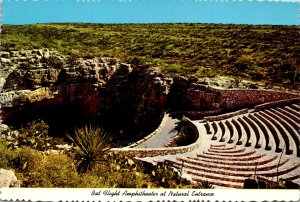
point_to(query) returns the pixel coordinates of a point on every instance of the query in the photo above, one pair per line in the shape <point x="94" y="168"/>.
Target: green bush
<point x="34" y="135"/>
<point x="55" y="170"/>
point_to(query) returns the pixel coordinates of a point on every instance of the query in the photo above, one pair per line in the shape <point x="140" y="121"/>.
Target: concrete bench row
<point x="229" y="166"/>
<point x="271" y="129"/>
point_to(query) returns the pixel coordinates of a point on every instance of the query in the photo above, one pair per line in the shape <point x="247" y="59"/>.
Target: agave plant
<point x="91" y="145"/>
<point x="205" y="185"/>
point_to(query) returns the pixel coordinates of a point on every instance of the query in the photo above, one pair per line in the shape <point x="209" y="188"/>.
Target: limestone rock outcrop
<point x="8" y="178"/>
<point x="33" y="81"/>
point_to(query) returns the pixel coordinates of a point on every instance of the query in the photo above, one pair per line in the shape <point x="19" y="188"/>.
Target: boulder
<point x="8" y="178"/>
<point x="3" y="128"/>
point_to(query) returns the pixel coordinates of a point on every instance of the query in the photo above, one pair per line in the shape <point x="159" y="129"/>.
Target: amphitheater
<point x="231" y="147"/>
<point x="239" y="132"/>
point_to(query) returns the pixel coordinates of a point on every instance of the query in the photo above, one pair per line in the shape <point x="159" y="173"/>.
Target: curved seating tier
<point x="229" y="166"/>
<point x="236" y="147"/>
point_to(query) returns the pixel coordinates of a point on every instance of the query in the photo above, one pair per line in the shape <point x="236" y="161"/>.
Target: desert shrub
<point x="54" y="170"/>
<point x="164" y="176"/>
<point x="204" y="185"/>
<point x="55" y="62"/>
<point x="34" y="135"/>
<point x="91" y="145"/>
<point x="21" y="160"/>
<point x="34" y="169"/>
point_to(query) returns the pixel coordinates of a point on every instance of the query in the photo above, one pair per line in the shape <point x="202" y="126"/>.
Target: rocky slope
<point x="66" y="92"/>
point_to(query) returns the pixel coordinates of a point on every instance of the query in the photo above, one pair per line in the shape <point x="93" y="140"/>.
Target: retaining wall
<point x="152" y="134"/>
<point x="242" y="98"/>
<point x="150" y="152"/>
<point x="277" y="104"/>
<point x="225" y="116"/>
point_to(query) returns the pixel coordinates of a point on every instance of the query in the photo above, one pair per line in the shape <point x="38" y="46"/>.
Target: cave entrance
<point x="61" y="118"/>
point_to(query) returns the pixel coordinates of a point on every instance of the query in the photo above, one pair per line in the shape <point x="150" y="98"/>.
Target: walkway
<point x="163" y="137"/>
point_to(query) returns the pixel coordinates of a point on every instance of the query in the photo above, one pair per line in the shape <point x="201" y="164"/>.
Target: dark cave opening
<point x="61" y="118"/>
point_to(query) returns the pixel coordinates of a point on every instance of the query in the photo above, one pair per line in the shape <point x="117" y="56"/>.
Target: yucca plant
<point x="205" y="185"/>
<point x="91" y="146"/>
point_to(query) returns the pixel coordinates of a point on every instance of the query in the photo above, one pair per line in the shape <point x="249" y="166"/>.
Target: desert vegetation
<point x="260" y="53"/>
<point x="38" y="161"/>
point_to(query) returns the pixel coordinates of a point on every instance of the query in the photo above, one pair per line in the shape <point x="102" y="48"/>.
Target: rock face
<point x="8" y="179"/>
<point x="190" y="94"/>
<point x="40" y="83"/>
<point x="67" y="92"/>
<point x="135" y="98"/>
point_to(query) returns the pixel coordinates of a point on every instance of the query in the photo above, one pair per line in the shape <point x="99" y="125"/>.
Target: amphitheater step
<point x="295" y="107"/>
<point x="259" y="167"/>
<point x="239" y="150"/>
<point x="267" y="171"/>
<point x="259" y="161"/>
<point x="251" y="157"/>
<point x="218" y="182"/>
<point x="284" y="134"/>
<point x="230" y="154"/>
<point x="222" y="147"/>
<point x="269" y="142"/>
<point x="293" y="112"/>
<point x="274" y="132"/>
<point x="294" y="135"/>
<point x="255" y="131"/>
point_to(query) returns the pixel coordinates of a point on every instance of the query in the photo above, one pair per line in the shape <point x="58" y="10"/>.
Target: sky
<point x="151" y="11"/>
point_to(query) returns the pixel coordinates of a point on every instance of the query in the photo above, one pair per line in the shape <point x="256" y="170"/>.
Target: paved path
<point x="163" y="137"/>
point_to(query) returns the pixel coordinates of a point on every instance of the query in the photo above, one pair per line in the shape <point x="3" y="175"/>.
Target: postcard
<point x="148" y="100"/>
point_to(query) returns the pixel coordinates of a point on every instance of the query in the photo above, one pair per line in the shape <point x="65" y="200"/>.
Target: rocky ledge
<point x="34" y="81"/>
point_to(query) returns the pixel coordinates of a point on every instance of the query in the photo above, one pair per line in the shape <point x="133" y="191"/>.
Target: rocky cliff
<point x="65" y="92"/>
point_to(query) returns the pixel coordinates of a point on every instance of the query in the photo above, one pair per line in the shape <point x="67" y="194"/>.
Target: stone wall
<point x="225" y="116"/>
<point x="242" y="98"/>
<point x="149" y="152"/>
<point x="279" y="103"/>
<point x="151" y="135"/>
<point x="190" y="94"/>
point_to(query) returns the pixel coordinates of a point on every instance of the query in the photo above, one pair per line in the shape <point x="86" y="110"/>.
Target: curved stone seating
<point x="241" y="161"/>
<point x="255" y="131"/>
<point x="247" y="130"/>
<point x="222" y="138"/>
<point x="239" y="131"/>
<point x="231" y="131"/>
<point x="267" y="134"/>
<point x="296" y="107"/>
<point x="282" y="131"/>
<point x="227" y="169"/>
<point x="232" y="153"/>
<point x="219" y="182"/>
<point x="293" y="112"/>
<point x="293" y="123"/>
<point x="233" y="150"/>
<point x="289" y="128"/>
<point x="215" y="127"/>
<point x="222" y="147"/>
<point x="291" y="118"/>
<point x="229" y="155"/>
<point x="207" y="128"/>
<point x="275" y="133"/>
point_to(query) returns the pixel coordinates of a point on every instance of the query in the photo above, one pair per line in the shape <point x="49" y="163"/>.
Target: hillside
<point x="259" y="53"/>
